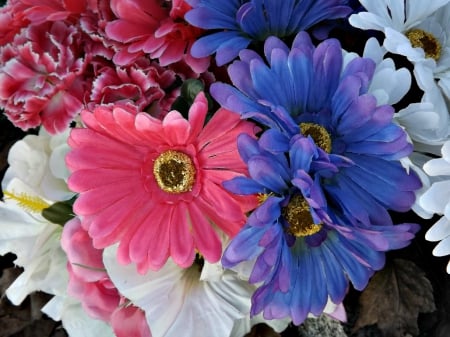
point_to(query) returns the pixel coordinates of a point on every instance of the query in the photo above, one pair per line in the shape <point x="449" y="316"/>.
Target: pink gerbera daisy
<point x="156" y="186"/>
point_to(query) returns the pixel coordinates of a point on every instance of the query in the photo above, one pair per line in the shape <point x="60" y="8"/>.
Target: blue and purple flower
<point x="236" y="23"/>
<point x="327" y="169"/>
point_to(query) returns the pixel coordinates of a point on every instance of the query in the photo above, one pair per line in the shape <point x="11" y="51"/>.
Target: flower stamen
<point x="298" y="216"/>
<point x="174" y="172"/>
<point x="29" y="203"/>
<point x="426" y="41"/>
<point x="318" y="133"/>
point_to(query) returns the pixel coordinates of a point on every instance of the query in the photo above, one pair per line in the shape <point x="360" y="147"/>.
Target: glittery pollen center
<point x="298" y="216"/>
<point x="426" y="41"/>
<point x="174" y="172"/>
<point x="318" y="133"/>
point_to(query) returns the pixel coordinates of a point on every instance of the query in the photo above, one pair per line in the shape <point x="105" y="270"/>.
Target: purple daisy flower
<point x="236" y="23"/>
<point x="305" y="250"/>
<point x="308" y="90"/>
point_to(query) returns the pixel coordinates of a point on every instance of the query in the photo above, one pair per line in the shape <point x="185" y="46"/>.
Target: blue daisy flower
<point x="236" y="23"/>
<point x="308" y="90"/>
<point x="305" y="250"/>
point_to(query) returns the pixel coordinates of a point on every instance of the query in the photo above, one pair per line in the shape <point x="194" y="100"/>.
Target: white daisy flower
<point x="437" y="200"/>
<point x="420" y="31"/>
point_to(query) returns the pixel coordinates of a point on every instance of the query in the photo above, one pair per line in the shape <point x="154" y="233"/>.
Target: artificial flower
<point x="420" y="32"/>
<point x="146" y="27"/>
<point x="201" y="300"/>
<point x="298" y="231"/>
<point x="319" y="97"/>
<point x="41" y="77"/>
<point x="155" y="186"/>
<point x="437" y="200"/>
<point x="237" y="23"/>
<point x="343" y="176"/>
<point x="144" y="86"/>
<point x="38" y="161"/>
<point x="89" y="282"/>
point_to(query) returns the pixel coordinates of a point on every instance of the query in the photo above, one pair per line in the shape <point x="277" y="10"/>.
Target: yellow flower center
<point x="298" y="215"/>
<point x="426" y="41"/>
<point x="174" y="172"/>
<point x="318" y="133"/>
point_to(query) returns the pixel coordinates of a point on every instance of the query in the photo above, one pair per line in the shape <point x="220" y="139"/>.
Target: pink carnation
<point x="143" y="85"/>
<point x="146" y="27"/>
<point x="89" y="283"/>
<point x="41" y="77"/>
<point x="156" y="186"/>
<point x="40" y="11"/>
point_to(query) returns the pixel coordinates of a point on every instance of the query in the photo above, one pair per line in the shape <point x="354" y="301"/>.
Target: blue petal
<point x="242" y="185"/>
<point x="336" y="282"/>
<point x="268" y="173"/>
<point x="243" y="247"/>
<point x="357" y="273"/>
<point x="274" y="140"/>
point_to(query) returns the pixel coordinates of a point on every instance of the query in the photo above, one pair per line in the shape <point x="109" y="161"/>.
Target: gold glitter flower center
<point x="298" y="215"/>
<point x="318" y="133"/>
<point x="174" y="172"/>
<point x="426" y="41"/>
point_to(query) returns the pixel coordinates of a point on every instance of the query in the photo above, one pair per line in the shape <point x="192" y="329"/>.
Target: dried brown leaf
<point x="25" y="320"/>
<point x="262" y="330"/>
<point x="394" y="298"/>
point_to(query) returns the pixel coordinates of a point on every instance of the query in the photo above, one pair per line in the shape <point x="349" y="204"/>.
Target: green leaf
<point x="189" y="90"/>
<point x="60" y="212"/>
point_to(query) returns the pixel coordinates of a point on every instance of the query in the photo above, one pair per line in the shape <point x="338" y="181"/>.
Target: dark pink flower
<point x="89" y="283"/>
<point x="146" y="27"/>
<point x="40" y="11"/>
<point x="41" y="77"/>
<point x="143" y="86"/>
<point x="12" y="20"/>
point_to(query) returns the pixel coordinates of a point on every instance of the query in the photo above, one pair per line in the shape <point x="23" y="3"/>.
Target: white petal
<point x="439" y="231"/>
<point x="437" y="167"/>
<point x="78" y="324"/>
<point x="444" y="83"/>
<point x="448" y="268"/>
<point x="174" y="299"/>
<point x="436" y="198"/>
<point x="397" y="43"/>
<point x="442" y="248"/>
<point x="418" y="10"/>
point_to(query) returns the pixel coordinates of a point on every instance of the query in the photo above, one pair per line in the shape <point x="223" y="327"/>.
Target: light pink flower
<point x="146" y="27"/>
<point x="156" y="186"/>
<point x="41" y="78"/>
<point x="89" y="282"/>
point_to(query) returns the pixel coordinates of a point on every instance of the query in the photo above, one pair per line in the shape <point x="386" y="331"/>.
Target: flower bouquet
<point x="198" y="167"/>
